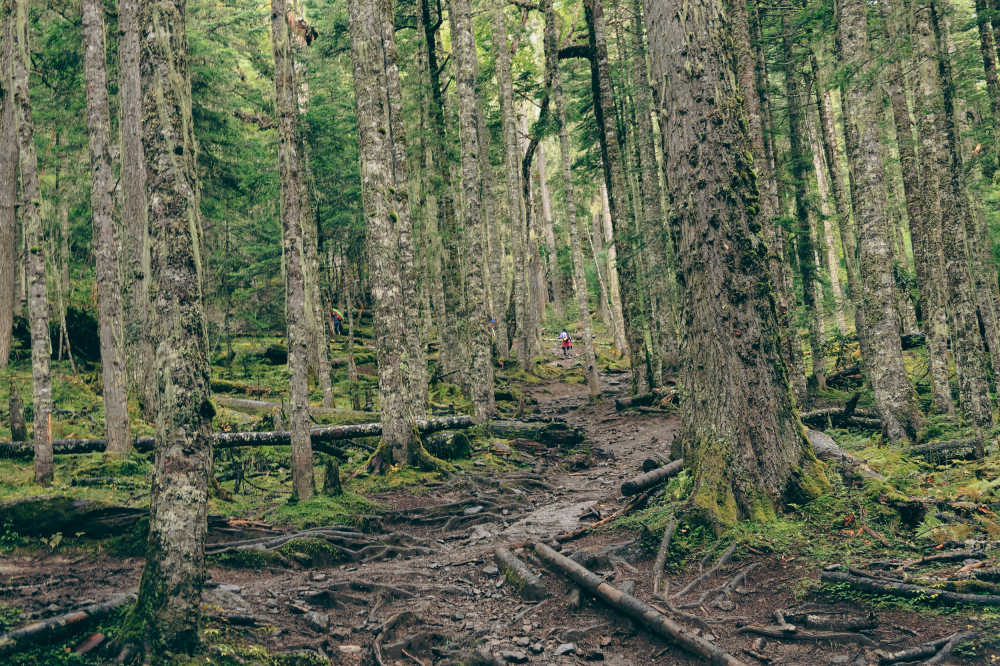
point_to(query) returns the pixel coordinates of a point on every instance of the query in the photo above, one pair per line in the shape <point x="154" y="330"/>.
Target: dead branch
<point x="783" y="633"/>
<point x="715" y="567"/>
<point x="628" y="508"/>
<point x="661" y="554"/>
<point x="60" y="625"/>
<point x="652" y="479"/>
<point x="867" y="583"/>
<point x="824" y="447"/>
<point x="527" y="582"/>
<point x="639" y="611"/>
<point x="926" y="650"/>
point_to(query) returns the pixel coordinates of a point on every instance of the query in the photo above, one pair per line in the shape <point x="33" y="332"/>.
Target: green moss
<point x="809" y="481"/>
<point x="247" y="559"/>
<point x="349" y="509"/>
<point x="713" y="495"/>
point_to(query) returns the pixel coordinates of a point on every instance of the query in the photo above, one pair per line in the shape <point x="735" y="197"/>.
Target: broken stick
<point x="528" y="583"/>
<point x="651" y="479"/>
<point x="60" y="625"/>
<point x="638" y="610"/>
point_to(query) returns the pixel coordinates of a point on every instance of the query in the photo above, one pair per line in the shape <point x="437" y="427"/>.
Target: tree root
<point x="935" y="651"/>
<point x="869" y="583"/>
<point x="792" y="633"/>
<point x="628" y="508"/>
<point x="718" y="565"/>
<point x="661" y="554"/>
<point x="60" y="625"/>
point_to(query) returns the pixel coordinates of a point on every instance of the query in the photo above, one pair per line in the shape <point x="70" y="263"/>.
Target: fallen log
<point x="827" y="449"/>
<point x="60" y="625"/>
<point x="651" y="479"/>
<point x="42" y="516"/>
<point x="911" y="340"/>
<point x="641" y="400"/>
<point x="792" y="633"/>
<point x="848" y="375"/>
<point x="902" y="589"/>
<point x="527" y="582"/>
<point x="838" y="416"/>
<point x="925" y="650"/>
<point x="227" y="440"/>
<point x="579" y="532"/>
<point x="965" y="449"/>
<point x="552" y="433"/>
<point x="639" y="611"/>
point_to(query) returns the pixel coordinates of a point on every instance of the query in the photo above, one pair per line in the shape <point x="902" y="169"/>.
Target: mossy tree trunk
<point x="944" y="191"/>
<point x="740" y="436"/>
<point x="134" y="230"/>
<point x="298" y="317"/>
<point x="106" y="248"/>
<point x="169" y="605"/>
<point x="475" y="319"/>
<point x="565" y="152"/>
<point x="400" y="443"/>
<point x="38" y="304"/>
<point x="8" y="190"/>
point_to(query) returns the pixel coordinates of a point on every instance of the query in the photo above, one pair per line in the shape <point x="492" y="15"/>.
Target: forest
<point x="379" y="332"/>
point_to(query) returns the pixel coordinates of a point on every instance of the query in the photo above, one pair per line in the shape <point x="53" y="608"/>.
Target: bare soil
<point x="454" y="600"/>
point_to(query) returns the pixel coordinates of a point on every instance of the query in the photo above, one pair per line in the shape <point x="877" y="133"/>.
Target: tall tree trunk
<point x="522" y="342"/>
<point x="297" y="315"/>
<point x="417" y="377"/>
<point x="169" y="605"/>
<point x="614" y="179"/>
<point x="988" y="50"/>
<point x="753" y="87"/>
<point x="830" y="258"/>
<point x="8" y="190"/>
<point x="742" y="455"/>
<point x="476" y="320"/>
<point x="799" y="166"/>
<point x="548" y="231"/>
<point x="494" y="242"/>
<point x="595" y="232"/>
<point x="565" y="150"/>
<point x="612" y="273"/>
<point x="105" y="244"/>
<point x="944" y="192"/>
<point x="38" y="304"/>
<point x="399" y="444"/>
<point x="452" y="349"/>
<point x="135" y="235"/>
<point x="879" y="328"/>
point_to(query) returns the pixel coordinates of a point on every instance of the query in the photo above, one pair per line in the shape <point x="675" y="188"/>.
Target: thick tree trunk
<point x="611" y="271"/>
<point x="494" y="242"/>
<point x="169" y="606"/>
<point x="400" y="443"/>
<point x="134" y="230"/>
<point x="988" y="49"/>
<point x="38" y="304"/>
<point x="476" y="320"/>
<point x="565" y="151"/>
<point x="943" y="190"/>
<point x="742" y="453"/>
<point x="106" y="249"/>
<point x="8" y="190"/>
<point x="297" y="314"/>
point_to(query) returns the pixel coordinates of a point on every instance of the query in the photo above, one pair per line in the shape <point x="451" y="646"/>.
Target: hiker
<point x="338" y="322"/>
<point x="567" y="343"/>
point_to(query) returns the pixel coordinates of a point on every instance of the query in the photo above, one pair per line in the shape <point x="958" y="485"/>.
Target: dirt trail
<point x="436" y="606"/>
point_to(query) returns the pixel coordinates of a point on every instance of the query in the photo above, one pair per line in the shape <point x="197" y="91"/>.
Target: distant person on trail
<point x="567" y="343"/>
<point x="338" y="322"/>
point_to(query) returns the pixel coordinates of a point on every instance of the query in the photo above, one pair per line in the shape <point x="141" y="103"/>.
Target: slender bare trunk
<point x="8" y="191"/>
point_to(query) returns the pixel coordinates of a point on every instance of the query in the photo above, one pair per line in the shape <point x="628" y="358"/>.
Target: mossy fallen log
<point x="826" y="449"/>
<point x="930" y="595"/>
<point x="45" y="515"/>
<point x="955" y="449"/>
<point x="527" y="582"/>
<point x="448" y="445"/>
<point x="552" y="433"/>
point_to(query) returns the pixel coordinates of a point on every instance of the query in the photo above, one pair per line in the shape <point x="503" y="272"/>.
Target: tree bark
<point x="611" y="271"/>
<point x="106" y="249"/>
<point x="134" y="230"/>
<point x="941" y="179"/>
<point x="548" y="231"/>
<point x="297" y="314"/>
<point x="169" y="606"/>
<point x="879" y="328"/>
<point x="8" y="190"/>
<point x="743" y="454"/>
<point x="476" y="319"/>
<point x="400" y="443"/>
<point x="38" y="305"/>
<point x="565" y="150"/>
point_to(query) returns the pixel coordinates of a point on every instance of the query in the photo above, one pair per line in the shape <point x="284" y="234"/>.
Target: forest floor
<point x="440" y="597"/>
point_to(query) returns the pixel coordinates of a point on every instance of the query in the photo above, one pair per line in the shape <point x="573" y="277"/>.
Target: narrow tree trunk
<point x="943" y="191"/>
<point x="476" y="320"/>
<point x="742" y="458"/>
<point x="400" y="444"/>
<point x="803" y="233"/>
<point x="8" y="190"/>
<point x="105" y="244"/>
<point x="494" y="242"/>
<point x="135" y="235"/>
<point x="879" y="328"/>
<point x="169" y="605"/>
<point x="297" y="314"/>
<point x="595" y="232"/>
<point x="38" y="305"/>
<point x="548" y="231"/>
<point x="565" y="150"/>
<point x="611" y="271"/>
<point x="988" y="50"/>
<point x="830" y="258"/>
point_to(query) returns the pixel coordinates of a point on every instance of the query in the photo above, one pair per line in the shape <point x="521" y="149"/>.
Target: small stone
<point x="340" y="633"/>
<point x="628" y="587"/>
<point x="593" y="655"/>
<point x="725" y="605"/>
<point x="573" y="598"/>
<point x="500" y="581"/>
<point x="565" y="648"/>
<point x="514" y="656"/>
<point x="318" y="577"/>
<point x="458" y="617"/>
<point x="490" y="570"/>
<point x="229" y="587"/>
<point x="605" y="641"/>
<point x="350" y="649"/>
<point x="473" y="510"/>
<point x="522" y="641"/>
<point x="317" y="621"/>
<point x="537" y="648"/>
<point x="840" y="659"/>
